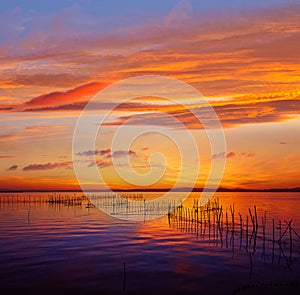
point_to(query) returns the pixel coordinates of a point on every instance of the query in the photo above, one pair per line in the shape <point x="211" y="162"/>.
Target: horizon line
<point x="221" y="189"/>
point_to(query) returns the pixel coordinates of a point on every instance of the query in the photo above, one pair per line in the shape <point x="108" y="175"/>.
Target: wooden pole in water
<point x="241" y="223"/>
<point x="201" y="221"/>
<point x="247" y="232"/>
<point x="279" y="225"/>
<point x="241" y="229"/>
<point x="232" y="216"/>
<point x="222" y="216"/>
<point x="273" y="248"/>
<point x="291" y="238"/>
<point x="251" y="267"/>
<point x="226" y="221"/>
<point x="253" y="224"/>
<point x="263" y="225"/>
<point x="273" y="224"/>
<point x="200" y="215"/>
<point x="255" y="213"/>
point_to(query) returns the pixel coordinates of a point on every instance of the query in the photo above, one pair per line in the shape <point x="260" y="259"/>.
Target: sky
<point x="242" y="56"/>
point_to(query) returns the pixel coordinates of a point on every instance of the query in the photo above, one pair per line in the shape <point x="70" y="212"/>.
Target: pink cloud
<point x="55" y="99"/>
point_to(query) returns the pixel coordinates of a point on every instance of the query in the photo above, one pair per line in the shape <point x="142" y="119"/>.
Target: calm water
<point x="53" y="247"/>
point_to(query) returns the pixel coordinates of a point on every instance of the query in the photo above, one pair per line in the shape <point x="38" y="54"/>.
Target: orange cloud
<point x="230" y="155"/>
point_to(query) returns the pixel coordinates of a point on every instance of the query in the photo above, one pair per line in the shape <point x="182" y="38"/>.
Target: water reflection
<point x="77" y="246"/>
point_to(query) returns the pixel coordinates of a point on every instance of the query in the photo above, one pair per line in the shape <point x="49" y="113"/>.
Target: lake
<point x="51" y="247"/>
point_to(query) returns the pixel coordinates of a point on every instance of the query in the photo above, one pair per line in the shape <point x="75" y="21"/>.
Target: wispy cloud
<point x="107" y="153"/>
<point x="232" y="154"/>
<point x="47" y="166"/>
<point x="105" y="156"/>
<point x="101" y="163"/>
<point x="223" y="155"/>
<point x="15" y="133"/>
<point x="122" y="153"/>
<point x="94" y="152"/>
<point x="230" y="114"/>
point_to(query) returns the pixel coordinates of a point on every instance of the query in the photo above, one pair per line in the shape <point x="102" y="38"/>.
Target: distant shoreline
<point x="297" y="189"/>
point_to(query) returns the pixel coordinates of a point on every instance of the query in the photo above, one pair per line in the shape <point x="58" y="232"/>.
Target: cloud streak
<point x="47" y="166"/>
<point x="232" y="154"/>
<point x="105" y="156"/>
<point x="223" y="155"/>
<point x="94" y="152"/>
<point x="5" y="157"/>
<point x="122" y="153"/>
<point x="230" y="114"/>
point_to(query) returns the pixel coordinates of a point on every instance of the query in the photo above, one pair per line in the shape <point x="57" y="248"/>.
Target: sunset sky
<point x="243" y="56"/>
